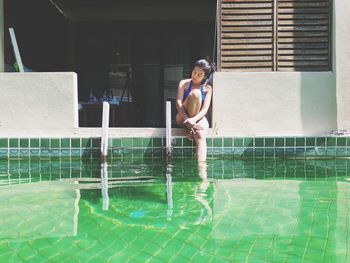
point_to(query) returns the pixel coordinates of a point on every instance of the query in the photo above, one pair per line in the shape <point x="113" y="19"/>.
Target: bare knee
<point x="195" y="94"/>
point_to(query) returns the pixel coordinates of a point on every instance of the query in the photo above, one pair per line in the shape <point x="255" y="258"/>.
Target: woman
<point x="192" y="103"/>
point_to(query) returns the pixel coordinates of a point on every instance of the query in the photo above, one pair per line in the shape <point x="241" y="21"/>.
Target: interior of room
<point x="134" y="50"/>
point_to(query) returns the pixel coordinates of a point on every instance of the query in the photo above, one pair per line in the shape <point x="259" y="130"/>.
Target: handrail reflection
<point x="104" y="186"/>
<point x="169" y="191"/>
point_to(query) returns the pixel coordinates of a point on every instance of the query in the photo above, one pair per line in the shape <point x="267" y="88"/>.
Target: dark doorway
<point x="133" y="50"/>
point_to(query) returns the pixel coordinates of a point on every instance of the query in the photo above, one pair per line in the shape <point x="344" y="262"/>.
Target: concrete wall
<point x="38" y="104"/>
<point x="341" y="58"/>
<point x="2" y="51"/>
<point x="274" y="103"/>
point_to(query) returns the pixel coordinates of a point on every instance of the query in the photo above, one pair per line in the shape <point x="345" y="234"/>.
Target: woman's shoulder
<point x="184" y="83"/>
<point x="208" y="88"/>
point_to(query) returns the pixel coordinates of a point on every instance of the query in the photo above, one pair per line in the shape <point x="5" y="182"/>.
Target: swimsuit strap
<point x="203" y="94"/>
<point x="187" y="92"/>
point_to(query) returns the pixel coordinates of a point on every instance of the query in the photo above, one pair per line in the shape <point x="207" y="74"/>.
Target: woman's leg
<point x="200" y="139"/>
<point x="192" y="105"/>
<point x="193" y="102"/>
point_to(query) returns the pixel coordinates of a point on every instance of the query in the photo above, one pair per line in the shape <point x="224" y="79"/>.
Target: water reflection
<point x="201" y="195"/>
<point x="169" y="191"/>
<point x="104" y="186"/>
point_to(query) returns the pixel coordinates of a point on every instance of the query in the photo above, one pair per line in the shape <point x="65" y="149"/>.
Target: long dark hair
<point x="207" y="67"/>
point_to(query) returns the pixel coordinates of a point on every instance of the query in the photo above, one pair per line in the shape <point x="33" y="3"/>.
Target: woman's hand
<point x="191" y="124"/>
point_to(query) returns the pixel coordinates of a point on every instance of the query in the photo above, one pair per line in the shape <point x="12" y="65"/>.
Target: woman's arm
<point x="206" y="104"/>
<point x="179" y="99"/>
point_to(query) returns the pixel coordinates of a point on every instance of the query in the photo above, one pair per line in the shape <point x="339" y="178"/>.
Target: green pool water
<point x="241" y="210"/>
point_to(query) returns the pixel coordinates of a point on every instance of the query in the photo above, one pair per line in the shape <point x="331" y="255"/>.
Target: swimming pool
<point x="234" y="210"/>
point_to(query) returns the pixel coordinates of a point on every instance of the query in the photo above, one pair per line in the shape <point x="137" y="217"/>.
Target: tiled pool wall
<point x="228" y="147"/>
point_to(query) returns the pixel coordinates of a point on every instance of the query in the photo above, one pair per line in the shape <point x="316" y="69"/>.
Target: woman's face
<point x="198" y="75"/>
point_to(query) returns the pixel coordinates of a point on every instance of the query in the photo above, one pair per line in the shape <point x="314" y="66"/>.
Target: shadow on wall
<point x="318" y="102"/>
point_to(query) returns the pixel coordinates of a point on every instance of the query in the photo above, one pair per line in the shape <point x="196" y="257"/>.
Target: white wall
<point x="274" y="103"/>
<point x="341" y="55"/>
<point x="38" y="104"/>
<point x="2" y="54"/>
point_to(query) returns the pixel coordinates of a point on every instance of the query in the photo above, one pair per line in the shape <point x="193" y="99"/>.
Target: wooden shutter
<point x="246" y="35"/>
<point x="304" y="42"/>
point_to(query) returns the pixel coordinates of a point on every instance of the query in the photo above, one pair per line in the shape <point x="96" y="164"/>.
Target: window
<point x="275" y="35"/>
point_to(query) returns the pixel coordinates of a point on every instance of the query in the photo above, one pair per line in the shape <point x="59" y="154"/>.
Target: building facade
<point x="283" y="66"/>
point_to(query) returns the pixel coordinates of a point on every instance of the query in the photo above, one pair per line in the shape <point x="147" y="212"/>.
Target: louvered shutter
<point x="246" y="35"/>
<point x="280" y="35"/>
<point x="303" y="35"/>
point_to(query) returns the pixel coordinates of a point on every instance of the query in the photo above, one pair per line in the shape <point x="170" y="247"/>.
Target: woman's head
<point x="202" y="70"/>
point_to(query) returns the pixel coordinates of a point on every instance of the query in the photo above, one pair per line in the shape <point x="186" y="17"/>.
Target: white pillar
<point x="341" y="61"/>
<point x="2" y="40"/>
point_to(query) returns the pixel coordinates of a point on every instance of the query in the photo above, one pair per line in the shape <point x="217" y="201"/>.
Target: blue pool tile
<point x="75" y="152"/>
<point x="217" y="142"/>
<point x="157" y="151"/>
<point x="4" y="143"/>
<point x="341" y="141"/>
<point x="310" y="152"/>
<point x="116" y="152"/>
<point x="259" y="142"/>
<point x="228" y="142"/>
<point x="55" y="143"/>
<point x="320" y="151"/>
<point x="157" y="142"/>
<point x="228" y="151"/>
<point x="279" y="142"/>
<point x="24" y="152"/>
<point x="188" y="151"/>
<point x="177" y="152"/>
<point x="269" y="152"/>
<point x="331" y="152"/>
<point x="248" y="142"/>
<point x="147" y="142"/>
<point x="147" y="152"/>
<point x="248" y="152"/>
<point x="95" y="142"/>
<point x="321" y="141"/>
<point x="44" y="152"/>
<point x="13" y="152"/>
<point x="75" y="143"/>
<point x="95" y="152"/>
<point x="55" y="153"/>
<point x="331" y="141"/>
<point x="217" y="151"/>
<point x="290" y="142"/>
<point x="86" y="153"/>
<point x="137" y="152"/>
<point x="342" y="152"/>
<point x="65" y="152"/>
<point x="300" y="152"/>
<point x="290" y="152"/>
<point x="238" y="151"/>
<point x="259" y="152"/>
<point x="269" y="142"/>
<point x="34" y="152"/>
<point x="280" y="152"/>
<point x="4" y="153"/>
<point x="300" y="142"/>
<point x="86" y="143"/>
<point x="238" y="142"/>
